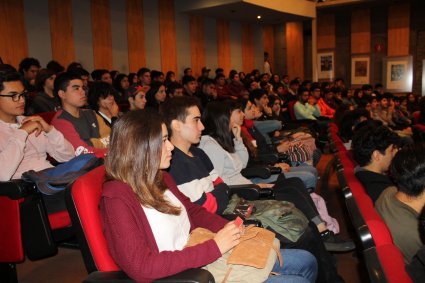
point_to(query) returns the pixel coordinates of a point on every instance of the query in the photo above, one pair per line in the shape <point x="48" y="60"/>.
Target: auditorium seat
<point x="83" y="199"/>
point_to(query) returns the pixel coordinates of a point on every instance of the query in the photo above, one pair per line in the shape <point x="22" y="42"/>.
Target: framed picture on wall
<point x="398" y="74"/>
<point x="325" y="65"/>
<point x="360" y="69"/>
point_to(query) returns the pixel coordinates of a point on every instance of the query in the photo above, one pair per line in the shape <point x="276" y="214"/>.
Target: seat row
<point x="383" y="259"/>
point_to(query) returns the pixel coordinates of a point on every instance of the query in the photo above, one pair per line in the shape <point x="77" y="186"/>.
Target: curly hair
<point x="368" y="139"/>
<point x="408" y="169"/>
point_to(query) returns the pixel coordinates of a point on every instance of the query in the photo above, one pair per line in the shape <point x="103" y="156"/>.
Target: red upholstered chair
<point x="83" y="199"/>
<point x="25" y="227"/>
<point x="47" y="116"/>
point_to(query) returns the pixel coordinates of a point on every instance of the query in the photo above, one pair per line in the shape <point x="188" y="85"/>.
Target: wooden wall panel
<point x="12" y="26"/>
<point x="398" y="30"/>
<point x="197" y="44"/>
<point x="360" y="31"/>
<point x="247" y="48"/>
<point x="167" y="36"/>
<point x="268" y="44"/>
<point x="295" y="49"/>
<point x="135" y="35"/>
<point x="223" y="45"/>
<point x="325" y="31"/>
<point x="61" y="31"/>
<point x="101" y="31"/>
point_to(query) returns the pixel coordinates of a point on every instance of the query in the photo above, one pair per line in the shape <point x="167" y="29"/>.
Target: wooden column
<point x="197" y="44"/>
<point x="325" y="31"/>
<point x="61" y="32"/>
<point x="167" y="36"/>
<point x="135" y="35"/>
<point x="102" y="35"/>
<point x="295" y="49"/>
<point x="247" y="48"/>
<point x="398" y="30"/>
<point x="360" y="31"/>
<point x="223" y="45"/>
<point x="14" y="43"/>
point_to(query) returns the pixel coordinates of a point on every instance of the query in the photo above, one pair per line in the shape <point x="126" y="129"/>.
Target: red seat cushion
<point x="86" y="193"/>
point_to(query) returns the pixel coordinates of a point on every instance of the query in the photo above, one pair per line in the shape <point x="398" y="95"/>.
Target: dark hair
<point x="134" y="157"/>
<point x="216" y="120"/>
<point x="257" y="94"/>
<point x="114" y="74"/>
<point x="9" y="76"/>
<point x="366" y="87"/>
<point x="117" y="82"/>
<point x="150" y="95"/>
<point x="74" y="65"/>
<point x="141" y="71"/>
<point x="232" y="74"/>
<point x="176" y="108"/>
<point x="207" y="82"/>
<point x="349" y="120"/>
<point x="41" y="78"/>
<point x="62" y="82"/>
<point x="7" y="68"/>
<point x="187" y="79"/>
<point x="368" y="139"/>
<point x="79" y="72"/>
<point x="171" y="88"/>
<point x="99" y="90"/>
<point x="408" y="169"/>
<point x="55" y="66"/>
<point x="131" y="77"/>
<point x="26" y="63"/>
<point x="218" y="76"/>
<point x="168" y="80"/>
<point x="98" y="73"/>
<point x="156" y="74"/>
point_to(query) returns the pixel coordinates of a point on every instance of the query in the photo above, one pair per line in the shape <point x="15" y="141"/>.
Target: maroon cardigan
<point x="132" y="243"/>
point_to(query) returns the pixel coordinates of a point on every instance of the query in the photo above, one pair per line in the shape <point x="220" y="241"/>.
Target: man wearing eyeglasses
<point x="25" y="141"/>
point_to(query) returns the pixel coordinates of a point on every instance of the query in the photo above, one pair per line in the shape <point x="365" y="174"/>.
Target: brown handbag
<point x="250" y="261"/>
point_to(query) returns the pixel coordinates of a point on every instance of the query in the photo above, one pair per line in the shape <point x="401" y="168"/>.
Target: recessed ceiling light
<point x="259" y="17"/>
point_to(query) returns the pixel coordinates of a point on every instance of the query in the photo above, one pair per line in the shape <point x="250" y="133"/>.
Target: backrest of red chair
<point x="47" y="116"/>
<point x="86" y="193"/>
<point x="11" y="249"/>
<point x="291" y="109"/>
<point x="416" y="116"/>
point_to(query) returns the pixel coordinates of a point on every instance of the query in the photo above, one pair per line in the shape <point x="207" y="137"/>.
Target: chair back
<point x="82" y="200"/>
<point x="11" y="249"/>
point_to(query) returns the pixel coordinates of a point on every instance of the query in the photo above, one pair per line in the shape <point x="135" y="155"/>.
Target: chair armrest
<point x="262" y="172"/>
<point x="16" y="189"/>
<point x="251" y="191"/>
<point x="191" y="275"/>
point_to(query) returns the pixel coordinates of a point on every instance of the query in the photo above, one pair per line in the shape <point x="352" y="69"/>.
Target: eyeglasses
<point x="16" y="96"/>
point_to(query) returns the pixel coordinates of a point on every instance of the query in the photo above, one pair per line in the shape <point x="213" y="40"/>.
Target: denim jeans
<point x="298" y="266"/>
<point x="307" y="174"/>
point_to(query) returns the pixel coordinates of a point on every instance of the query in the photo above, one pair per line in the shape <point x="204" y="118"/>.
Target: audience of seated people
<point x="80" y="130"/>
<point x="147" y="220"/>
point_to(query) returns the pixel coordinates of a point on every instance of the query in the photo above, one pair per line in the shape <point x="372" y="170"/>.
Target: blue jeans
<point x="298" y="266"/>
<point x="266" y="127"/>
<point x="307" y="174"/>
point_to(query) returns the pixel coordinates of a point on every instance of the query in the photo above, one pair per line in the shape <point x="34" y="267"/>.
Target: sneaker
<point x="334" y="243"/>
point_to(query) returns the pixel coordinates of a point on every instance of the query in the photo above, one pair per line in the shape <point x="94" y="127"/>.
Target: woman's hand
<point x="228" y="237"/>
<point x="283" y="146"/>
<point x="285" y="167"/>
<point x="265" y="185"/>
<point x="236" y="130"/>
